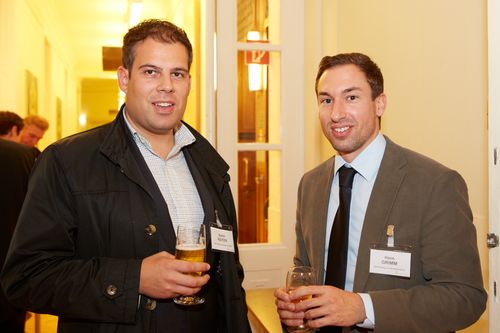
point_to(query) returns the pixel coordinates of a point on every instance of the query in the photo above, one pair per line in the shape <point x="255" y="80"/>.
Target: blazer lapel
<point x="385" y="190"/>
<point x="321" y="196"/>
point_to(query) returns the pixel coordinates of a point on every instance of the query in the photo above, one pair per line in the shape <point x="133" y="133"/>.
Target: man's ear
<point x="122" y="75"/>
<point x="13" y="132"/>
<point x="380" y="104"/>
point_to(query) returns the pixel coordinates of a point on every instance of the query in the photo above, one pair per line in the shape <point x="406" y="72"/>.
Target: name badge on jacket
<point x="390" y="259"/>
<point x="222" y="238"/>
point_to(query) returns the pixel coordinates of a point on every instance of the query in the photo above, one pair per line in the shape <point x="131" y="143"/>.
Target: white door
<point x="494" y="158"/>
<point x="259" y="127"/>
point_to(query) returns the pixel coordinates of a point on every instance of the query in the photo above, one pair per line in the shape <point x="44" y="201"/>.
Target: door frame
<point x="271" y="272"/>
<point x="493" y="162"/>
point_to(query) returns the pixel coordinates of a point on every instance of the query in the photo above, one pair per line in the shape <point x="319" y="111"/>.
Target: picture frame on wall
<point x="31" y="93"/>
<point x="58" y="118"/>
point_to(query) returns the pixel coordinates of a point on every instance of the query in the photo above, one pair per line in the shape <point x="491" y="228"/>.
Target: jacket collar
<point x="116" y="143"/>
<point x="116" y="146"/>
<point x="204" y="154"/>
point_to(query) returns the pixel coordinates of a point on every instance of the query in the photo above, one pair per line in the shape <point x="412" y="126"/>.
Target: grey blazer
<point x="428" y="205"/>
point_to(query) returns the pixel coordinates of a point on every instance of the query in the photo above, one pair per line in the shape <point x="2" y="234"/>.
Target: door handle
<point x="491" y="240"/>
<point x="245" y="179"/>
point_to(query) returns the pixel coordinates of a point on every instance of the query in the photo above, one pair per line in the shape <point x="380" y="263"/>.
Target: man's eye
<point x="150" y="71"/>
<point x="352" y="97"/>
<point x="326" y="101"/>
<point x="178" y="75"/>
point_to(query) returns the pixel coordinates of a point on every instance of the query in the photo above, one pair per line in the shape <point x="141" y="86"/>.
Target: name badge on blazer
<point x="390" y="259"/>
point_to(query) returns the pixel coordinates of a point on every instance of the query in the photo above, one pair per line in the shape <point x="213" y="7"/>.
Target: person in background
<point x="15" y="166"/>
<point x="11" y="126"/>
<point x="407" y="260"/>
<point x="33" y="130"/>
<point x="95" y="240"/>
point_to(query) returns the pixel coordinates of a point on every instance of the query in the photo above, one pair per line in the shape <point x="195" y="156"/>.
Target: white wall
<point x="8" y="59"/>
<point x="25" y="26"/>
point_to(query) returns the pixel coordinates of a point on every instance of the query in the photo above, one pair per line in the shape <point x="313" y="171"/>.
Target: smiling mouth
<point x="163" y="104"/>
<point x="341" y="129"/>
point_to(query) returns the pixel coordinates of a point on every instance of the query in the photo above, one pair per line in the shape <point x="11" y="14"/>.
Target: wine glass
<point x="296" y="277"/>
<point x="190" y="246"/>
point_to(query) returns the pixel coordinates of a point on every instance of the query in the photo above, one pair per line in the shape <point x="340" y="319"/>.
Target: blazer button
<point x="111" y="290"/>
<point x="150" y="304"/>
<point x="150" y="229"/>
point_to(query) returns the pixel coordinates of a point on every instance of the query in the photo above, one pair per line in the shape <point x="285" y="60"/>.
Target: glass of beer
<point x="296" y="277"/>
<point x="190" y="246"/>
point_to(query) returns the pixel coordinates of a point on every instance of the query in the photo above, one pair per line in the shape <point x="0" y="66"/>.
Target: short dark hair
<point x="363" y="62"/>
<point x="8" y="120"/>
<point x="159" y="30"/>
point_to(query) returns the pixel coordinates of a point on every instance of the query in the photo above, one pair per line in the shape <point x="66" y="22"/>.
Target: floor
<point x="38" y="323"/>
<point x="261" y="313"/>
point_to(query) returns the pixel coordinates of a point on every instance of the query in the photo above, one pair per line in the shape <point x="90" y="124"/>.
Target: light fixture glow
<point x="256" y="72"/>
<point x="253" y="35"/>
<point x="82" y="119"/>
<point x="255" y="77"/>
<point x="135" y="13"/>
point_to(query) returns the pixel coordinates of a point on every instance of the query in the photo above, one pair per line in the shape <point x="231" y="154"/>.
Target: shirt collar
<point x="182" y="137"/>
<point x="368" y="161"/>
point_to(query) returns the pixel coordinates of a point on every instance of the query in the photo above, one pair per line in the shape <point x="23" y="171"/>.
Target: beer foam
<point x="190" y="247"/>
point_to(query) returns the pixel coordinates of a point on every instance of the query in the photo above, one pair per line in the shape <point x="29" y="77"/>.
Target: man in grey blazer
<point x="412" y="263"/>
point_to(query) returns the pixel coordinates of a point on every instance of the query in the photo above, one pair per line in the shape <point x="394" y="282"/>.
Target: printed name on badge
<point x="396" y="263"/>
<point x="222" y="239"/>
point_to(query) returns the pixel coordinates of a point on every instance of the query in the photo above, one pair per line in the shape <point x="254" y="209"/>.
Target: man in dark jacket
<point x="16" y="161"/>
<point x="96" y="236"/>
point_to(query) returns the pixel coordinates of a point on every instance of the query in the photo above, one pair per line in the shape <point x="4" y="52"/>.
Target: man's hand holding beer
<point x="163" y="276"/>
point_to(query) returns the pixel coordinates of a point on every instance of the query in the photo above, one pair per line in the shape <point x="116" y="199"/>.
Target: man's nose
<point x="165" y="84"/>
<point x="337" y="112"/>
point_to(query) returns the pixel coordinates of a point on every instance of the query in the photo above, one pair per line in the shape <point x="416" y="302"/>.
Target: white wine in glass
<point x="296" y="277"/>
<point x="190" y="246"/>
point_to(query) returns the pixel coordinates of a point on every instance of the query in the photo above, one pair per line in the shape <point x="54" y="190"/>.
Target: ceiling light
<point x="135" y="12"/>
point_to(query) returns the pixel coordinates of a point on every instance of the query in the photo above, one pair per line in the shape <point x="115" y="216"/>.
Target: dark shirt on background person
<point x="16" y="161"/>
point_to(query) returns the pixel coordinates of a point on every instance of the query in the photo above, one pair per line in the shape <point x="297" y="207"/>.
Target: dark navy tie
<point x="339" y="237"/>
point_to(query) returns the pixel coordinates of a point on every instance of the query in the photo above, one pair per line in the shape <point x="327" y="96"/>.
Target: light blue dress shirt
<point x="367" y="164"/>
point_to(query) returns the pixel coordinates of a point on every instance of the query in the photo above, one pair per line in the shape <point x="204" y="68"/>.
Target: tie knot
<point x="346" y="176"/>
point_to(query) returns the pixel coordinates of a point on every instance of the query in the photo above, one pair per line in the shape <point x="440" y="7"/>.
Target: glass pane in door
<point x="259" y="196"/>
<point x="259" y="115"/>
<point x="258" y="21"/>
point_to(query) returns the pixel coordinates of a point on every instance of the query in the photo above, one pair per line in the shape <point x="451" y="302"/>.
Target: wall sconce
<point x="82" y="119"/>
<point x="257" y="61"/>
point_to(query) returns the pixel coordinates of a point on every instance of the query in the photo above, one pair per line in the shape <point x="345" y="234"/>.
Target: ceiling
<point x="91" y="24"/>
